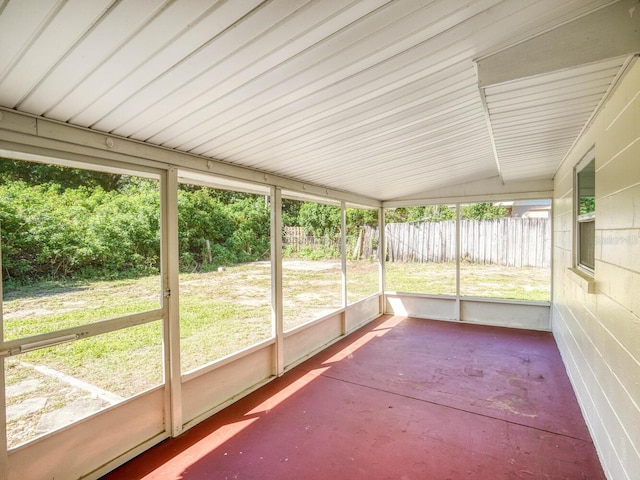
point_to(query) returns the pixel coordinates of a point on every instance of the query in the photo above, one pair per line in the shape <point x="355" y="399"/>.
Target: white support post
<point x="382" y="255"/>
<point x="4" y="458"/>
<point x="343" y="249"/>
<point x="458" y="247"/>
<point x="171" y="305"/>
<point x="277" y="319"/>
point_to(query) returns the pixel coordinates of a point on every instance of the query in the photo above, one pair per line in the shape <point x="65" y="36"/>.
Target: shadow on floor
<point x="401" y="398"/>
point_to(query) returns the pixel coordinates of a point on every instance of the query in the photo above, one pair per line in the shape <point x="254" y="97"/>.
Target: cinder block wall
<point x="599" y="333"/>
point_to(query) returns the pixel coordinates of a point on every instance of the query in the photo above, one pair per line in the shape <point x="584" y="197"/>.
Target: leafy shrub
<point x="49" y="233"/>
<point x="237" y="231"/>
<point x="201" y="218"/>
<point x="58" y="223"/>
<point x="251" y="238"/>
<point x="319" y="220"/>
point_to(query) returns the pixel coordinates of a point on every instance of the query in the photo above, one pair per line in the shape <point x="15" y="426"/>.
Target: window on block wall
<point x="585" y="213"/>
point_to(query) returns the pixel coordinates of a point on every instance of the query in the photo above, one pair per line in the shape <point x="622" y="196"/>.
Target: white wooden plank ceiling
<point x="536" y="120"/>
<point x="374" y="97"/>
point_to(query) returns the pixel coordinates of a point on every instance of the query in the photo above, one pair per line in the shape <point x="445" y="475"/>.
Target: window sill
<point x="583" y="279"/>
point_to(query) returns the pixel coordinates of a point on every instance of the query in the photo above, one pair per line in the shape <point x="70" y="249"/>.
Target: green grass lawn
<point x="220" y="313"/>
<point x="476" y="280"/>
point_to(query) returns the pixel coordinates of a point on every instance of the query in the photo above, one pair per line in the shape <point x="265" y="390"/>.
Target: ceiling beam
<point x="612" y="31"/>
<point x="484" y="190"/>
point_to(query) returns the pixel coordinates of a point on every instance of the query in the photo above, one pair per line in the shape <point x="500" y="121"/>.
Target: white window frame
<point x="585" y="217"/>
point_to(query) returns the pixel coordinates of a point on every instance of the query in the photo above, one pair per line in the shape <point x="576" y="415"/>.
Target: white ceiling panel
<point x="536" y="120"/>
<point x="246" y="51"/>
<point x="52" y="37"/>
<point x="123" y="22"/>
<point x="26" y="20"/>
<point x="379" y="98"/>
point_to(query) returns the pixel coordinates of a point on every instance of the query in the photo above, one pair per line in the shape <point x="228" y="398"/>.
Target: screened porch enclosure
<point x="90" y="337"/>
<point x="104" y="341"/>
<point x="212" y="208"/>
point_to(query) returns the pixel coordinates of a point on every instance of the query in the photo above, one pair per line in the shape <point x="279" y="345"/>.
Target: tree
<point x="483" y="211"/>
<point x="428" y="213"/>
<point x="202" y="218"/>
<point x="432" y="213"/>
<point x="360" y="217"/>
<point x="290" y="212"/>
<point x="45" y="174"/>
<point x="319" y="220"/>
<point x="252" y="235"/>
<point x="397" y="215"/>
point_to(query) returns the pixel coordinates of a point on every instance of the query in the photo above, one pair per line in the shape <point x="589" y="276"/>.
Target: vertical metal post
<point x="343" y="249"/>
<point x="277" y="317"/>
<point x="382" y="255"/>
<point x="171" y="305"/>
<point x="458" y="248"/>
<point x="552" y="261"/>
<point x="4" y="457"/>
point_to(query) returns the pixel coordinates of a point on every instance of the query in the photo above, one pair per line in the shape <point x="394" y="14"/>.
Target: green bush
<point x="319" y="220"/>
<point x="61" y="223"/>
<point x="237" y="231"/>
<point x="201" y="218"/>
<point x="49" y="233"/>
<point x="251" y="238"/>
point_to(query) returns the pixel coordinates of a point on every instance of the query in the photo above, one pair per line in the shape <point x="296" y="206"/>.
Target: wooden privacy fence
<point x="362" y="245"/>
<point x="296" y="238"/>
<point x="421" y="242"/>
<point x="511" y="241"/>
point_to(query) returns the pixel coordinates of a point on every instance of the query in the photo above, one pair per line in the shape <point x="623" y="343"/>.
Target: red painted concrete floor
<point x="401" y="399"/>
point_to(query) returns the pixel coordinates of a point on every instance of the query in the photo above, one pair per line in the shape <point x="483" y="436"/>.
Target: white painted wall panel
<point x="623" y="171"/>
<point x="421" y="306"/>
<point x="362" y="312"/>
<point x="95" y="440"/>
<point x="618" y="247"/>
<point x="206" y="393"/>
<point x="304" y="341"/>
<point x="481" y="311"/>
<point x="506" y="314"/>
<point x="623" y="325"/>
<point x="590" y="396"/>
<point x="616" y="217"/>
<point x="619" y="428"/>
<point x="599" y="334"/>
